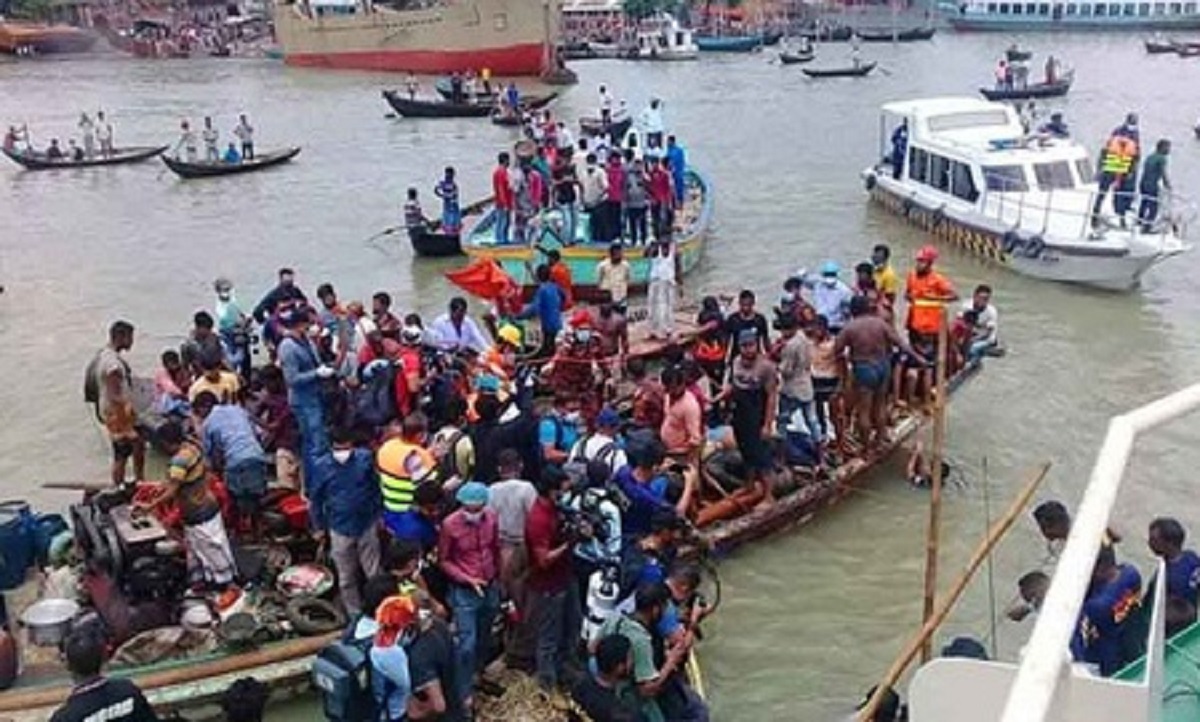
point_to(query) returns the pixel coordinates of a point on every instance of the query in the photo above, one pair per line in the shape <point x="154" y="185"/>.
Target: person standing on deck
<point x="886" y="281"/>
<point x="503" y="194"/>
<point x="652" y="122"/>
<point x="753" y="391"/>
<point x="678" y="160"/>
<point x="447" y="190"/>
<point x="303" y="371"/>
<point x="1118" y="169"/>
<point x="614" y="204"/>
<point x="566" y="196"/>
<point x="1166" y="538"/>
<point x="547" y="305"/>
<point x="593" y="184"/>
<point x="899" y="148"/>
<point x="187" y="142"/>
<point x="245" y="134"/>
<point x="867" y="342"/>
<point x="831" y="297"/>
<point x="612" y="276"/>
<point x="637" y="202"/>
<point x="606" y="108"/>
<point x="662" y="199"/>
<point x="926" y="291"/>
<point x="87" y="132"/>
<point x="1154" y="175"/>
<point x="114" y="397"/>
<point x="1051" y="70"/>
<point x="746" y="318"/>
<point x="411" y="86"/>
<point x="663" y="288"/>
<point x="104" y="134"/>
<point x="211" y="138"/>
<point x="796" y="381"/>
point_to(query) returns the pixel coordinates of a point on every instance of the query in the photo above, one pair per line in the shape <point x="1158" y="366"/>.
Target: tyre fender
<point x="1034" y="247"/>
<point x="871" y="181"/>
<point x="1011" y="242"/>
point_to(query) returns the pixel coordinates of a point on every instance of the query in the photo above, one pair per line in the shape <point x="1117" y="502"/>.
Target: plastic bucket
<point x="17" y="530"/>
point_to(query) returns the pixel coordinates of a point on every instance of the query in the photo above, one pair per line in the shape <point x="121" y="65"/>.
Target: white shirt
<point x="606" y="100"/>
<point x="566" y="140"/>
<point x="593" y="183"/>
<point x="662" y="267"/>
<point x="467" y="335"/>
<point x="987" y="324"/>
<point x="104" y="133"/>
<point x="210" y="136"/>
<point x="652" y="119"/>
<point x="244" y="132"/>
<point x="589" y="447"/>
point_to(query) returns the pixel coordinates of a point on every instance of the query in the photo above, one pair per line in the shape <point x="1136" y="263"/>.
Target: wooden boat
<point x="789" y="58"/>
<point x="37" y="160"/>
<point x="185" y="169"/>
<point x="900" y="36"/>
<point x="431" y="244"/>
<point x="1016" y="55"/>
<point x="839" y="34"/>
<point x="772" y="37"/>
<point x="445" y="109"/>
<point x="852" y="72"/>
<point x="728" y="43"/>
<point x="508" y="121"/>
<point x="20" y="38"/>
<point x="1161" y="47"/>
<point x="691" y="230"/>
<point x="1056" y="89"/>
<point x="593" y="126"/>
<point x="746" y="523"/>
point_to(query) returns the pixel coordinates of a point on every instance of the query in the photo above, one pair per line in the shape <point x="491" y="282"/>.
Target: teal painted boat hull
<point x="1181" y="676"/>
<point x="741" y="44"/>
<point x="582" y="257"/>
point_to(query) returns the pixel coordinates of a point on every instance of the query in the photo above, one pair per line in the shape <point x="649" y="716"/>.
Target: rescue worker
<point x="501" y="358"/>
<point x="577" y="370"/>
<point x="1118" y="170"/>
<point x="403" y="464"/>
<point x="927" y="293"/>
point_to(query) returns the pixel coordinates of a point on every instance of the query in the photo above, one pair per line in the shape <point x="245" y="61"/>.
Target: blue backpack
<point x="341" y="673"/>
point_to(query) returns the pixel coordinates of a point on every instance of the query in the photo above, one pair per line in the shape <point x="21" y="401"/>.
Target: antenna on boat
<point x="933" y="533"/>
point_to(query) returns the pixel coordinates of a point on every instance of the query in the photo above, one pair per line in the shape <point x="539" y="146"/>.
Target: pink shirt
<point x="164" y="385"/>
<point x="470" y="552"/>
<point x="682" y="423"/>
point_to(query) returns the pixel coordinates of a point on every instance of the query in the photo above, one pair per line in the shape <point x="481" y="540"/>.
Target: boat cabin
<point x="664" y="38"/>
<point x="973" y="154"/>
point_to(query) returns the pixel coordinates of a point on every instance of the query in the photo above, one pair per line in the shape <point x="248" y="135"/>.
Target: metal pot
<point x="49" y="621"/>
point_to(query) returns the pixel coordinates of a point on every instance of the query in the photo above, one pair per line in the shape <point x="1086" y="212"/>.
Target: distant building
<point x="592" y="19"/>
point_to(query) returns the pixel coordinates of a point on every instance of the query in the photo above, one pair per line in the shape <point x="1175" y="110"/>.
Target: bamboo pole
<point x="982" y="552"/>
<point x="933" y="533"/>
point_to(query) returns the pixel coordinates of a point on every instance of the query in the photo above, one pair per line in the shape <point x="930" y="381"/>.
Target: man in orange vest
<point x="1118" y="169"/>
<point x="927" y="293"/>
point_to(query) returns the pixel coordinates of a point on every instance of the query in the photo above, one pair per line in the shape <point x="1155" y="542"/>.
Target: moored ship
<point x="508" y="37"/>
<point x="1081" y="15"/>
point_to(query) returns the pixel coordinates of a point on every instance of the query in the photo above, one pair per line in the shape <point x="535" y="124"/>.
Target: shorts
<point x="872" y="375"/>
<point x="123" y="448"/>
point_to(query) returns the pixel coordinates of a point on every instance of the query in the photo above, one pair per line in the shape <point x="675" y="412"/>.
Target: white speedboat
<point x="663" y="38"/>
<point x="972" y="176"/>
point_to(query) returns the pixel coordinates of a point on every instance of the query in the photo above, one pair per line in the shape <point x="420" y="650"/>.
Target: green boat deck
<point x="1181" y="676"/>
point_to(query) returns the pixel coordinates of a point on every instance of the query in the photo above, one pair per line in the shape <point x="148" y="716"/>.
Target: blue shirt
<point x="390" y="681"/>
<point x="299" y="362"/>
<point x="229" y="434"/>
<point x="547" y="306"/>
<point x="1104" y="614"/>
<point x="344" y="497"/>
<point x="412" y="526"/>
<point x="232" y="156"/>
<point x="677" y="159"/>
<point x="644" y="500"/>
<point x="552" y="430"/>
<point x="832" y="302"/>
<point x="1183" y="576"/>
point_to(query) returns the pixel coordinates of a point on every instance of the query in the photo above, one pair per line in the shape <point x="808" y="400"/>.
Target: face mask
<point x="583" y="336"/>
<point x="572" y="417"/>
<point x="341" y="456"/>
<point x="830" y="281"/>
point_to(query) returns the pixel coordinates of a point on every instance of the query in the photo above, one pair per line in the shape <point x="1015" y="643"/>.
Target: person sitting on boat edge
<point x="96" y="696"/>
<point x="1056" y="127"/>
<point x="75" y="152"/>
<point x="985" y="328"/>
<point x="231" y="156"/>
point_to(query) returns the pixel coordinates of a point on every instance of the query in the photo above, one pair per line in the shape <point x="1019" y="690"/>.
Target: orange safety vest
<point x="925" y="301"/>
<point x="1119" y="154"/>
<point x="402" y="466"/>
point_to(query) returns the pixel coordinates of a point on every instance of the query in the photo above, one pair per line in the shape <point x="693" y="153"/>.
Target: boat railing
<point x="1038" y="687"/>
<point x="1072" y="211"/>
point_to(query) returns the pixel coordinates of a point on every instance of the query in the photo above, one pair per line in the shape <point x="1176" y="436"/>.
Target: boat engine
<point x="136" y="550"/>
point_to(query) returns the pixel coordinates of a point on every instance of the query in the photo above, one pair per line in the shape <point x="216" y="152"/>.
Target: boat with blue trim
<point x="972" y="176"/>
<point x="729" y="43"/>
<point x="993" y="15"/>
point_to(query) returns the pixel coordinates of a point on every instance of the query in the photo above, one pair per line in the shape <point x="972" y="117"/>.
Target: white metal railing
<point x="1047" y="663"/>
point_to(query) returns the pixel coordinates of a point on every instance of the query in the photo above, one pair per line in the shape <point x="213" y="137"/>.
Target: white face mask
<point x="572" y="417"/>
<point x="830" y="281"/>
<point x="341" y="456"/>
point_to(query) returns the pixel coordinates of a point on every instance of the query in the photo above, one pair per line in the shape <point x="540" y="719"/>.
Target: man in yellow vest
<point x="404" y="464"/>
<point x="1118" y="166"/>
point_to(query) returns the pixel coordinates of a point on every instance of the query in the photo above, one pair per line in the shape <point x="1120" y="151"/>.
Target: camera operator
<point x="554" y="601"/>
<point x="594" y="513"/>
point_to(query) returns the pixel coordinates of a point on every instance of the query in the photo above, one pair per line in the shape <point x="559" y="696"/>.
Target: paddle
<point x="883" y="70"/>
<point x="436" y="224"/>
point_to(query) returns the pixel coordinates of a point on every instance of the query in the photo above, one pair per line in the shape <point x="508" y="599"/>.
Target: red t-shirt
<point x="541" y="536"/>
<point x="660" y="187"/>
<point x="501" y="189"/>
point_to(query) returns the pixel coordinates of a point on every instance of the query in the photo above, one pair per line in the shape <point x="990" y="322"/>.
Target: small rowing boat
<point x="1056" y="89"/>
<point x="1161" y="47"/>
<point x="431" y="244"/>
<point x="1016" y="55"/>
<point x="412" y="108"/>
<point x="851" y="72"/>
<point x="206" y="169"/>
<point x="789" y="58"/>
<point x="37" y="160"/>
<point x="911" y="35"/>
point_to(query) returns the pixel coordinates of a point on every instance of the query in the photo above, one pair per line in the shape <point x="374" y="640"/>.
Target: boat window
<point x="1143" y="9"/>
<point x="1044" y="9"/>
<point x="991" y="8"/>
<point x="1175" y="8"/>
<point x="1030" y="8"/>
<point x="1084" y="168"/>
<point x="1189" y="8"/>
<point x="1072" y="8"/>
<point x="939" y="172"/>
<point x="1018" y="8"/>
<point x="1053" y="176"/>
<point x="1085" y="9"/>
<point x="963" y="185"/>
<point x="1005" y="178"/>
<point x="1004" y="8"/>
<point x="975" y="119"/>
<point x="1130" y="9"/>
<point x="918" y="164"/>
<point x="1160" y="9"/>
<point x="1114" y="10"/>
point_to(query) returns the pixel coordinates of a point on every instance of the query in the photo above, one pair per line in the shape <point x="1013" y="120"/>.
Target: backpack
<point x="341" y="673"/>
<point x="577" y="464"/>
<point x="375" y="400"/>
<point x="447" y="466"/>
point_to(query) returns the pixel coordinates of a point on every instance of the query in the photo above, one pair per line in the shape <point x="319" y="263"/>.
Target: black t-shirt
<point x="431" y="659"/>
<point x="603" y="704"/>
<point x="112" y="700"/>
<point x="736" y="323"/>
<point x="564" y="185"/>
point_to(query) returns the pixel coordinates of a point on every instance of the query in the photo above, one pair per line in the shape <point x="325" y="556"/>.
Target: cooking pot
<point x="49" y="621"/>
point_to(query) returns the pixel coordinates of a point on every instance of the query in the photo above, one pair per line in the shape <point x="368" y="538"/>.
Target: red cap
<point x="928" y="254"/>
<point x="581" y="318"/>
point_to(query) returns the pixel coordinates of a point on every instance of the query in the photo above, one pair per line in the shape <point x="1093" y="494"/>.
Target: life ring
<point x="1011" y="242"/>
<point x="870" y="181"/>
<point x="311" y="616"/>
<point x="1034" y="247"/>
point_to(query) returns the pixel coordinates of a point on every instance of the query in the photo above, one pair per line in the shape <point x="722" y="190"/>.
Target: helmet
<point x="509" y="334"/>
<point x="927" y="254"/>
<point x="411" y="335"/>
<point x="222" y="285"/>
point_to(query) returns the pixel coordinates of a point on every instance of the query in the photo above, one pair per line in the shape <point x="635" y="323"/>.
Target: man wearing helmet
<point x="576" y="369"/>
<point x="927" y="293"/>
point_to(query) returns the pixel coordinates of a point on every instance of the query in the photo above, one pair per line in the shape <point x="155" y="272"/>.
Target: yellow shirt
<point x="613" y="278"/>
<point x="225" y="388"/>
<point x="886" y="281"/>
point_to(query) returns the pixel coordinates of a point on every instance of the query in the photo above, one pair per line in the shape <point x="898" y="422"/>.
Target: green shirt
<point x="1153" y="171"/>
<point x="644" y="668"/>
